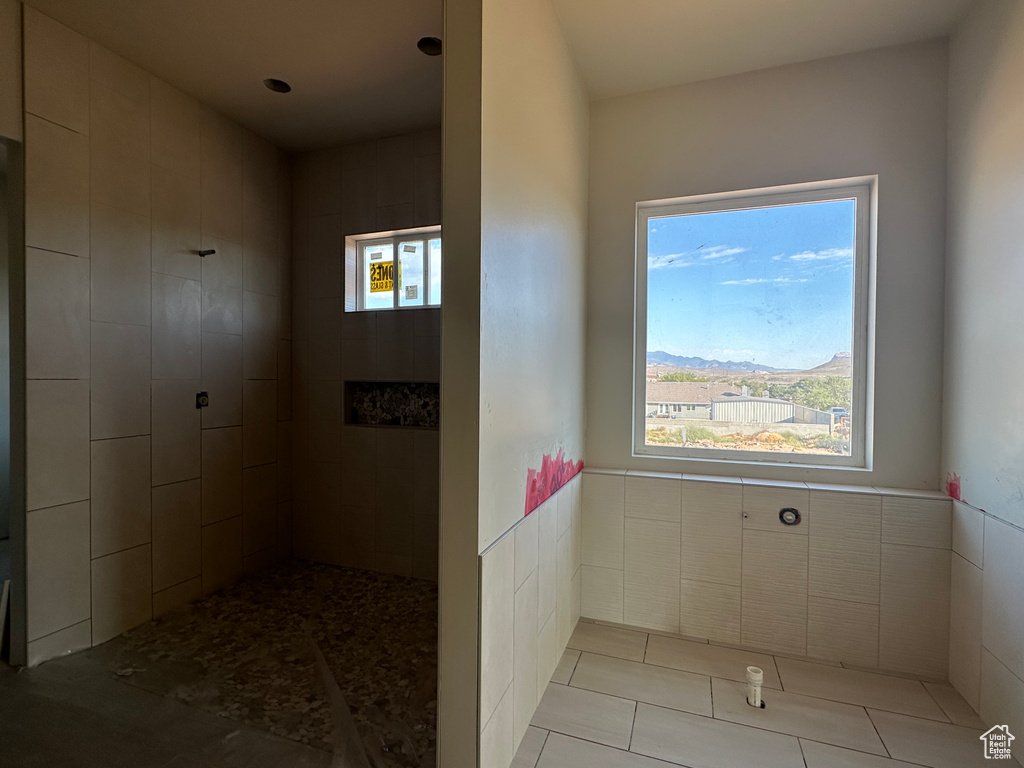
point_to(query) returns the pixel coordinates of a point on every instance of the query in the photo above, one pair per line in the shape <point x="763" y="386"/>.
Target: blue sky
<point x="770" y="285"/>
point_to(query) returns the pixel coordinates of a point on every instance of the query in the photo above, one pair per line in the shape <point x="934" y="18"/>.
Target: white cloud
<point x="670" y="260"/>
<point x="829" y="254"/>
<point x="759" y="280"/>
<point x="720" y="254"/>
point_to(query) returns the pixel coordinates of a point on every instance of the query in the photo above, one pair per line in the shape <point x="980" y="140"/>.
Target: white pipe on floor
<point x="755" y="677"/>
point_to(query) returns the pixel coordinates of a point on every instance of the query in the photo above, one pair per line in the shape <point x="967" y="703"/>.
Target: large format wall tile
<point x="119" y="151"/>
<point x="1002" y="620"/>
<point x="712" y="532"/>
<point x="914" y="617"/>
<point x="176" y="327"/>
<point x="118" y="74"/>
<point x="1002" y="694"/>
<point x="177" y="538"/>
<point x="842" y="631"/>
<point x="222" y="380"/>
<point x="259" y="356"/>
<point x="965" y="611"/>
<point x="56" y="69"/>
<point x="845" y="546"/>
<point x="176" y="441"/>
<point x="122" y="592"/>
<point x="222" y="474"/>
<point x="604" y="525"/>
<point x="968" y="533"/>
<point x="653" y="498"/>
<point x="120" y="254"/>
<point x="525" y="663"/>
<point x="259" y="508"/>
<point x="497" y="623"/>
<point x="176" y="226"/>
<point x="120" y="494"/>
<point x="602" y="593"/>
<point x="259" y="423"/>
<point x="58" y="568"/>
<point x="652" y="574"/>
<point x="547" y="561"/>
<point x="221" y="173"/>
<point x="56" y="188"/>
<point x="56" y="315"/>
<point x="120" y="380"/>
<point x="176" y="122"/>
<point x="762" y="503"/>
<point x="222" y="554"/>
<point x="774" y="607"/>
<point x="709" y="610"/>
<point x="222" y="286"/>
<point x="917" y="522"/>
<point x="57" y="442"/>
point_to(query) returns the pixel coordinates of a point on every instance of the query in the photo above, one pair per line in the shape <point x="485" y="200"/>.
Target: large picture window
<point x="396" y="270"/>
<point x="753" y="328"/>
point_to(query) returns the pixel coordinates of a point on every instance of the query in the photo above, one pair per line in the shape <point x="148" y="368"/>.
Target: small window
<point x="757" y="303"/>
<point x="394" y="270"/>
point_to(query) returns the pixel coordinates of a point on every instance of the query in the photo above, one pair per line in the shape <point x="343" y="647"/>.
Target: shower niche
<point x="409" y="405"/>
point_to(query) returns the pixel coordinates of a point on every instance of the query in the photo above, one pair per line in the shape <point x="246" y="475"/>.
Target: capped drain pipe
<point x="755" y="677"/>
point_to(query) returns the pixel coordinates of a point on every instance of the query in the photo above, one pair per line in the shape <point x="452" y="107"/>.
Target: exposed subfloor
<point x="235" y="680"/>
<point x="629" y="699"/>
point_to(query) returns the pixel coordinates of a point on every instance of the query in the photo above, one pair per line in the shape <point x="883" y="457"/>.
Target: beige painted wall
<point x="983" y="424"/>
<point x="137" y="501"/>
<point x="10" y="69"/>
<point x="349" y="508"/>
<point x="881" y="112"/>
<point x="533" y="241"/>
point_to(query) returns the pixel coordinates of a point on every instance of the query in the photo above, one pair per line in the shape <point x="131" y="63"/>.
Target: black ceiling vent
<point x="430" y="45"/>
<point x="277" y="86"/>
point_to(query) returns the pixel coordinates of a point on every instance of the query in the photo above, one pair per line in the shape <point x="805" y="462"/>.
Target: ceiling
<point x="356" y="73"/>
<point x="353" y="65"/>
<point x="624" y="47"/>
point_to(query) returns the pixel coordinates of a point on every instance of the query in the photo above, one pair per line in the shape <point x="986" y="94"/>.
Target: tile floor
<point x="622" y="698"/>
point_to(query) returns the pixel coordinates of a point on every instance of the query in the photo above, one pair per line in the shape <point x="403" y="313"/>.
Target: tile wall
<point x="529" y="606"/>
<point x="986" y="623"/>
<point x="864" y="578"/>
<point x="366" y="497"/>
<point x="137" y="501"/>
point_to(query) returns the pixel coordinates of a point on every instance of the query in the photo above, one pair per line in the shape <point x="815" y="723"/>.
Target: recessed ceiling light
<point x="277" y="86"/>
<point x="430" y="45"/>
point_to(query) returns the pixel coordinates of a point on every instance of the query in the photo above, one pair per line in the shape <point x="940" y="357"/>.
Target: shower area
<point x="335" y="647"/>
<point x="232" y="408"/>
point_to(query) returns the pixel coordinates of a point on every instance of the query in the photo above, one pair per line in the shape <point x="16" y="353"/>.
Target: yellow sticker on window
<point x="382" y="277"/>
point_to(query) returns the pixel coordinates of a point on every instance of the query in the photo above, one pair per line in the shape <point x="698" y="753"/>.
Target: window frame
<point x="355" y="274"/>
<point x="863" y="189"/>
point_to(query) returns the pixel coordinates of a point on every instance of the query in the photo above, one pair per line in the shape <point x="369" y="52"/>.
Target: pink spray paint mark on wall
<point x="553" y="474"/>
<point x="953" y="486"/>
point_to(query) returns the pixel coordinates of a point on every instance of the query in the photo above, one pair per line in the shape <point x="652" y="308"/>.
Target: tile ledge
<point x="868" y="490"/>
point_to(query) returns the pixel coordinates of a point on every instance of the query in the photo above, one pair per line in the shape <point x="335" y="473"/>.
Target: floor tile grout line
<point x="540" y="752"/>
<point x="939" y="703"/>
<point x="852" y="749"/>
<point x="632" y="725"/>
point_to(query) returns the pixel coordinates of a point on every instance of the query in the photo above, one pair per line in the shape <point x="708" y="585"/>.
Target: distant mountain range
<point x="664" y="358"/>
